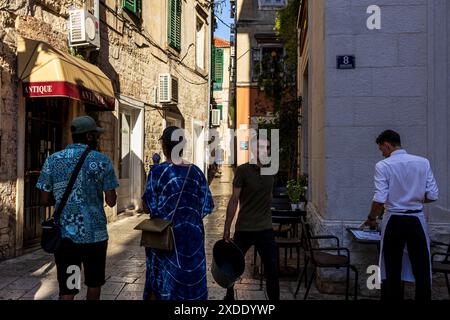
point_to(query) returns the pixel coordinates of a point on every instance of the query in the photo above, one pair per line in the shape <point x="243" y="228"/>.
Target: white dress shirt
<point x="402" y="181"/>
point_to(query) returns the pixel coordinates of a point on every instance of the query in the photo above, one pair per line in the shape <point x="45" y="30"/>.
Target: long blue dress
<point x="180" y="274"/>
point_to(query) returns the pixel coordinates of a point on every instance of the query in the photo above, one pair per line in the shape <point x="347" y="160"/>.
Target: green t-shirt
<point x="255" y="198"/>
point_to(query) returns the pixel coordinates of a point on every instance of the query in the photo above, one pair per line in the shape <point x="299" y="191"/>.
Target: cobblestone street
<point x="33" y="275"/>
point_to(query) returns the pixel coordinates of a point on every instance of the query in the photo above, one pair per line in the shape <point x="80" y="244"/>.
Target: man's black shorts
<point x="91" y="255"/>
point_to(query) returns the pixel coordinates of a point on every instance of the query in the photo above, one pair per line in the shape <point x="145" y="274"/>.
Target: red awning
<point x="48" y="72"/>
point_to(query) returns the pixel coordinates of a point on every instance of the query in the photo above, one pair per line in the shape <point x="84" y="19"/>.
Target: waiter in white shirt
<point x="403" y="183"/>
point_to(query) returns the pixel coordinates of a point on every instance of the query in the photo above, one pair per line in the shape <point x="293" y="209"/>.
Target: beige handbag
<point x="158" y="233"/>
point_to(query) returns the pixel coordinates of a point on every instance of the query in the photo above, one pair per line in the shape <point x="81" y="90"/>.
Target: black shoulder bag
<point x="51" y="229"/>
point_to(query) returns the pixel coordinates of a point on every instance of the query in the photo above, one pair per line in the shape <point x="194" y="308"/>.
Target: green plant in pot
<point x="296" y="190"/>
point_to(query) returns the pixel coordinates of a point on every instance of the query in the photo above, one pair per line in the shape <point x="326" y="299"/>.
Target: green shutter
<point x="134" y="6"/>
<point x="174" y="34"/>
<point x="218" y="68"/>
<point x="220" y="107"/>
<point x="213" y="57"/>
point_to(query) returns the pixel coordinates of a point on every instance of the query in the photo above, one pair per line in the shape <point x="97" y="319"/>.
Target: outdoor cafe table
<point x="363" y="240"/>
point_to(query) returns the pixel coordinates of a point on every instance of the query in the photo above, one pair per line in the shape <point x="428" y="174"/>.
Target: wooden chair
<point x="320" y="257"/>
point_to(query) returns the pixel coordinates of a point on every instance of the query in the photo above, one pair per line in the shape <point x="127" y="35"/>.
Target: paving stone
<point x="108" y="296"/>
<point x="8" y="294"/>
<point x="129" y="263"/>
<point x="122" y="279"/>
<point x="130" y="295"/>
<point x="5" y="281"/>
<point x="140" y="280"/>
<point x="248" y="287"/>
<point x="25" y="283"/>
<point x="216" y="293"/>
<point x="250" y="295"/>
<point x="113" y="288"/>
<point x="135" y="287"/>
<point x="43" y="292"/>
<point x="46" y="268"/>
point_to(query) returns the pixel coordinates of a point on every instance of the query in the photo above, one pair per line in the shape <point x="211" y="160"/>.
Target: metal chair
<point x="441" y="266"/>
<point x="278" y="203"/>
<point x="320" y="257"/>
<point x="290" y="241"/>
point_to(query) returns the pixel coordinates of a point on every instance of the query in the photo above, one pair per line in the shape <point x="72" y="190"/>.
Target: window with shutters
<point x="174" y="34"/>
<point x="218" y="68"/>
<point x="133" y="6"/>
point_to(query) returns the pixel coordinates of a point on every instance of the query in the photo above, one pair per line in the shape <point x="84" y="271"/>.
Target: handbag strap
<point x="69" y="187"/>
<point x="182" y="189"/>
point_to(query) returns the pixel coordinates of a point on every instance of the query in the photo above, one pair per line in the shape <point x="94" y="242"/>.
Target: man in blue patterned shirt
<point x="83" y="220"/>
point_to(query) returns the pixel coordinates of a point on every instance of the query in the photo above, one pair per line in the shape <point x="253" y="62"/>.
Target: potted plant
<point x="297" y="193"/>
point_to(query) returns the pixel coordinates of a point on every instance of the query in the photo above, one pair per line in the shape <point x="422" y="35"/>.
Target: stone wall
<point x="400" y="82"/>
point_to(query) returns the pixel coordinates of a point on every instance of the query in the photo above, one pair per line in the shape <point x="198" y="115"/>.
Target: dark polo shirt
<point x="255" y="198"/>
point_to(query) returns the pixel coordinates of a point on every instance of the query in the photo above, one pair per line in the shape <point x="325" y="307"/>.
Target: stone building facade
<point x="134" y="50"/>
<point x="400" y="82"/>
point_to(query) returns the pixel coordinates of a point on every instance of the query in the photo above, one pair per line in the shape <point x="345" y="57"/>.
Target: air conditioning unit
<point x="168" y="88"/>
<point x="215" y="117"/>
<point x="84" y="29"/>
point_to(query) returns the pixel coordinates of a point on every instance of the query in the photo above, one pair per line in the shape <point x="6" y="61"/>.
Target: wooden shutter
<point x="174" y="34"/>
<point x="218" y="68"/>
<point x="213" y="63"/>
<point x="134" y="6"/>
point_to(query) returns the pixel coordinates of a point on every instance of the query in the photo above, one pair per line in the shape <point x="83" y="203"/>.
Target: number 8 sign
<point x="346" y="62"/>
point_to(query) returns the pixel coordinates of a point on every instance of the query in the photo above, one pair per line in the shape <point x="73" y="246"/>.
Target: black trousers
<point x="264" y="242"/>
<point x="401" y="231"/>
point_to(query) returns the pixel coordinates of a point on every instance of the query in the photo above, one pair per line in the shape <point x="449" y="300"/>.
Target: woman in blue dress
<point x="179" y="274"/>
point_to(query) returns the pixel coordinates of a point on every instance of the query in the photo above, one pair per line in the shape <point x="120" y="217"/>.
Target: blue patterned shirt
<point x="83" y="219"/>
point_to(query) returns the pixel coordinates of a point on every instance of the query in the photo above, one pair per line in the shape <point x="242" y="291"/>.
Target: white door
<point x="198" y="145"/>
<point x="125" y="165"/>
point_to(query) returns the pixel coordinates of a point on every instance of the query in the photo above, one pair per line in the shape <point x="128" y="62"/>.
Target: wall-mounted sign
<point x="243" y="145"/>
<point x="345" y="62"/>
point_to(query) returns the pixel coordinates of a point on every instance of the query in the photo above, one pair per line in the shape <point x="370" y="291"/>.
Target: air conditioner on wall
<point x="168" y="88"/>
<point x="84" y="29"/>
<point x="215" y="117"/>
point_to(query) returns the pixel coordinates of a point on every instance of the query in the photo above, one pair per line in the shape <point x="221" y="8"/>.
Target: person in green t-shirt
<point x="253" y="192"/>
